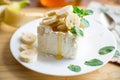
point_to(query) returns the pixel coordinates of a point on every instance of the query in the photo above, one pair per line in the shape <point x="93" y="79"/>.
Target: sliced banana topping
<point x="49" y="20"/>
<point x="64" y="11"/>
<point x="62" y="28"/>
<point x="62" y="19"/>
<point x="28" y="38"/>
<point x="50" y="13"/>
<point x="72" y="20"/>
<point x="28" y="56"/>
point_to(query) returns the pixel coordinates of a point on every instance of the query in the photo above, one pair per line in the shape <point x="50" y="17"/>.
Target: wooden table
<point x="10" y="69"/>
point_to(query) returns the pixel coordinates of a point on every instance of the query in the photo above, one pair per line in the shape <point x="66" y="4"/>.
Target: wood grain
<point x="10" y="69"/>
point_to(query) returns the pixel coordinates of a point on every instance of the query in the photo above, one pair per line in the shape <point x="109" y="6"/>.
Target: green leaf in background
<point x="88" y="11"/>
<point x="106" y="50"/>
<point x="93" y="62"/>
<point x="81" y="12"/>
<point x="117" y="54"/>
<point x="75" y="30"/>
<point x="117" y="13"/>
<point x="118" y="23"/>
<point x="75" y="68"/>
<point x="84" y="22"/>
<point x="103" y="9"/>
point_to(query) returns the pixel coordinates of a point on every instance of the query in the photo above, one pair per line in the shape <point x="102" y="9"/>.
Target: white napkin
<point x="114" y="12"/>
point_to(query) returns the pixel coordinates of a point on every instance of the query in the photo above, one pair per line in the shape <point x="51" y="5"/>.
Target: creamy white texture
<point x="48" y="42"/>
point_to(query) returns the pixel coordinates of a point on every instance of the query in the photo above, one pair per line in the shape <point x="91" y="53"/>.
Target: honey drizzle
<point x="59" y="54"/>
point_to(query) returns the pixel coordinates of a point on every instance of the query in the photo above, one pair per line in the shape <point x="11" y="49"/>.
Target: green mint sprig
<point x="84" y="22"/>
<point x="93" y="62"/>
<point x="81" y="13"/>
<point x="74" y="68"/>
<point x="75" y="30"/>
<point x="106" y="50"/>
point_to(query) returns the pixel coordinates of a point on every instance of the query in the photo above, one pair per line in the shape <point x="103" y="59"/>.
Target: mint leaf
<point x="75" y="68"/>
<point x="76" y="31"/>
<point x="81" y="12"/>
<point x="106" y="50"/>
<point x="88" y="12"/>
<point x="93" y="62"/>
<point x="117" y="54"/>
<point x="77" y="11"/>
<point x="84" y="22"/>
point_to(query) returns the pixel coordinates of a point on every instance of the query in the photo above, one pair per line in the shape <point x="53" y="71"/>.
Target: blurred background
<point x="34" y="9"/>
<point x="59" y="3"/>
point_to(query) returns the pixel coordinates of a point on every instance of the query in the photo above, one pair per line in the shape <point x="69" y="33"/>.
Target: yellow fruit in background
<point x="5" y="2"/>
<point x="7" y="28"/>
<point x="2" y="8"/>
<point x="17" y="19"/>
<point x="12" y="14"/>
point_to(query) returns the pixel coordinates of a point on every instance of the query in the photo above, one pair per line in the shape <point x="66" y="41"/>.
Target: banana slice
<point x="28" y="38"/>
<point x="62" y="28"/>
<point x="64" y="11"/>
<point x="50" y="13"/>
<point x="72" y="20"/>
<point x="49" y="20"/>
<point x="28" y="56"/>
<point x="25" y="47"/>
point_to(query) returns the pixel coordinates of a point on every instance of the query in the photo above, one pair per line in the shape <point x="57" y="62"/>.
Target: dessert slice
<point x="57" y="43"/>
<point x="59" y="33"/>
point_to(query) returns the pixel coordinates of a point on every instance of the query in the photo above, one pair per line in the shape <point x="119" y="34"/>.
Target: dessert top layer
<point x="67" y="19"/>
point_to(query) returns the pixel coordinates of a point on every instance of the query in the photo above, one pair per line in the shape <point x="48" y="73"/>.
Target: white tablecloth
<point x="114" y="12"/>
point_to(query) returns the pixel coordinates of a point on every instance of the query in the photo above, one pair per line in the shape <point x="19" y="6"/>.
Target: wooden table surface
<point x="10" y="69"/>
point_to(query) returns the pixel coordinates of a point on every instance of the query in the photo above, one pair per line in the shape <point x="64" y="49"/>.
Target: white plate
<point x="96" y="36"/>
